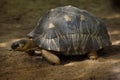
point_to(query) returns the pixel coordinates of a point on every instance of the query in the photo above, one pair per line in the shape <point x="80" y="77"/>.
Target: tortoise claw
<point x="92" y="55"/>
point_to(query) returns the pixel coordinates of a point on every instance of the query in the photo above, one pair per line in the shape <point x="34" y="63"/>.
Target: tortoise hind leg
<point x="92" y="55"/>
<point x="52" y="58"/>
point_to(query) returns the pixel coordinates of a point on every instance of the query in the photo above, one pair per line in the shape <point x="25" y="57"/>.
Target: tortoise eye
<point x="14" y="45"/>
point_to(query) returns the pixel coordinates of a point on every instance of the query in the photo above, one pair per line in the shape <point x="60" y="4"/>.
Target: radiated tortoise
<point x="66" y="30"/>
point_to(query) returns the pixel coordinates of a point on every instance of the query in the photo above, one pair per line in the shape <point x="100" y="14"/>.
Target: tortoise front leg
<point x="92" y="55"/>
<point x="30" y="52"/>
<point x="33" y="53"/>
<point x="52" y="58"/>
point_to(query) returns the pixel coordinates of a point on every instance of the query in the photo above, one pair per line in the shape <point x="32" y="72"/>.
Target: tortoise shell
<point x="70" y="30"/>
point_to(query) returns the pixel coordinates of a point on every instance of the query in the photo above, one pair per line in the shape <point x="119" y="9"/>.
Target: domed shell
<point x="71" y="31"/>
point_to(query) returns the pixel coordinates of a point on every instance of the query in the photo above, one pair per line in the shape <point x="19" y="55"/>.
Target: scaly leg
<point x="52" y="58"/>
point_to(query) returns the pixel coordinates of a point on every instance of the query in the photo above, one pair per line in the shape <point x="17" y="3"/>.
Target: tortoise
<point x="66" y="30"/>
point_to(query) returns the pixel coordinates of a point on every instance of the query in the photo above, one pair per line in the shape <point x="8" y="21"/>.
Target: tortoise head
<point x="24" y="45"/>
<point x="19" y="45"/>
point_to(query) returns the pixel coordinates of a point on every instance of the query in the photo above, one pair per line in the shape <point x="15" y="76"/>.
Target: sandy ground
<point x="20" y="66"/>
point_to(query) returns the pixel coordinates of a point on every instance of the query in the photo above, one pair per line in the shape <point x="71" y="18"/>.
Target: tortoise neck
<point x="30" y="45"/>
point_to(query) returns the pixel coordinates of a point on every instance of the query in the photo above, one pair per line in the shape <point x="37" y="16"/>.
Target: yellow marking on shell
<point x="97" y="40"/>
<point x="81" y="36"/>
<point x="67" y="18"/>
<point x="61" y="36"/>
<point x="100" y="47"/>
<point x="52" y="10"/>
<point x="83" y="49"/>
<point x="43" y="39"/>
<point x="98" y="22"/>
<point x="49" y="42"/>
<point x="92" y="39"/>
<point x="67" y="34"/>
<point x="73" y="36"/>
<point x="69" y="6"/>
<point x="100" y="43"/>
<point x="75" y="48"/>
<point x="88" y="29"/>
<point x="58" y="37"/>
<point x="77" y="41"/>
<point x="42" y="35"/>
<point x="40" y="45"/>
<point x="83" y="41"/>
<point x="51" y="25"/>
<point x="68" y="50"/>
<point x="95" y="32"/>
<point x="86" y="39"/>
<point x="82" y="18"/>
<point x="49" y="48"/>
<point x="81" y="31"/>
<point x="58" y="49"/>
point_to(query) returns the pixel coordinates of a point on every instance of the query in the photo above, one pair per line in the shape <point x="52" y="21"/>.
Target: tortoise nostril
<point x="14" y="45"/>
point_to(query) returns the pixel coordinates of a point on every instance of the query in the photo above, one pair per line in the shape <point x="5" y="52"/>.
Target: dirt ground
<point x="20" y="66"/>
